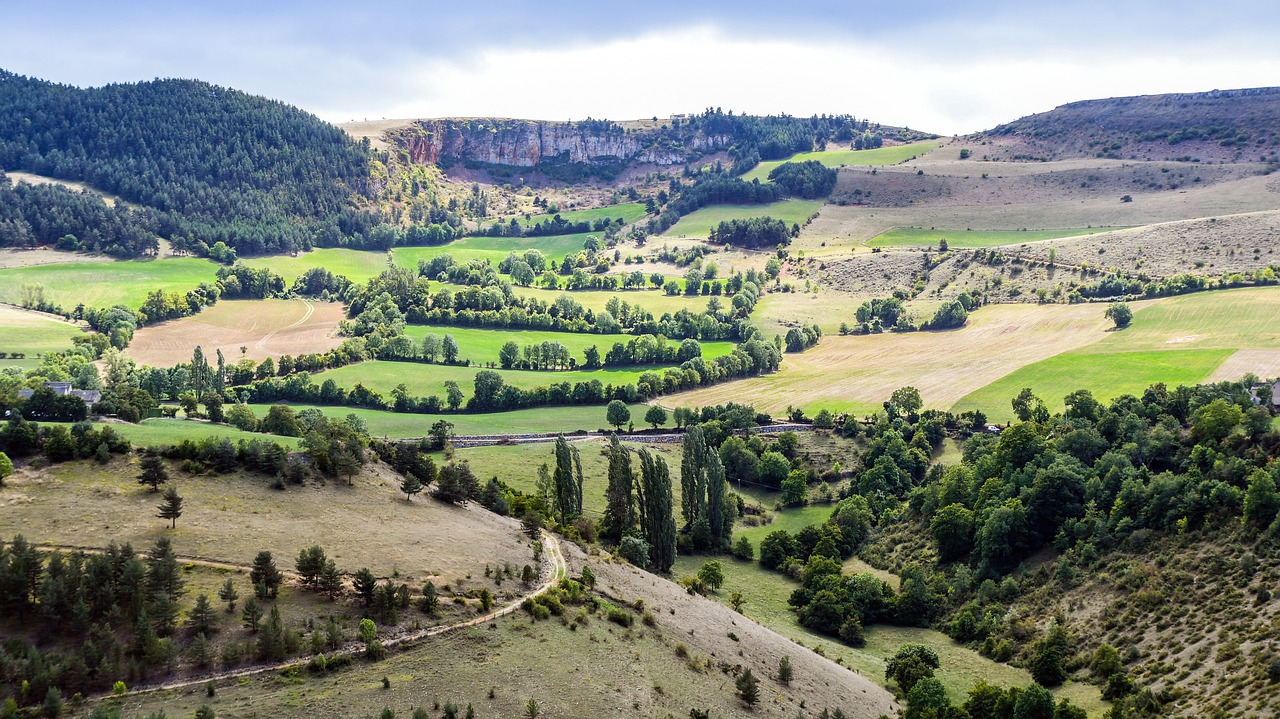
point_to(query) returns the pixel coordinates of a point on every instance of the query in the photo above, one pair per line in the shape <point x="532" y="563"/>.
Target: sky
<point x="947" y="67"/>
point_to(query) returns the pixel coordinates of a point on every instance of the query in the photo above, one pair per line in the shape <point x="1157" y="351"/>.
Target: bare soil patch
<point x="10" y="257"/>
<point x="267" y="328"/>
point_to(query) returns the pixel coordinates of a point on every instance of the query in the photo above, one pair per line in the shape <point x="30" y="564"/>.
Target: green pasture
<point x="853" y="158"/>
<point x="382" y="423"/>
<point x="629" y="212"/>
<point x="105" y="284"/>
<point x="33" y="333"/>
<point x="1227" y="319"/>
<point x="1105" y="375"/>
<point x="700" y="222"/>
<point x="481" y="346"/>
<point x="423" y="380"/>
<point x="162" y="431"/>
<point x="971" y="239"/>
<point x="356" y="265"/>
<point x="494" y="249"/>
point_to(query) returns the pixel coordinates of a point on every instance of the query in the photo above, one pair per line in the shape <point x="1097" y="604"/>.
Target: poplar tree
<point x="567" y="480"/>
<point x="618" y="514"/>
<point x="693" y="461"/>
<point x="657" y="522"/>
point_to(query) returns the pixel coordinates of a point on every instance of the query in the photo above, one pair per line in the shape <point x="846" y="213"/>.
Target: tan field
<point x="857" y="373"/>
<point x="267" y="328"/>
<point x="10" y="257"/>
<point x="34" y="179"/>
<point x="230" y="518"/>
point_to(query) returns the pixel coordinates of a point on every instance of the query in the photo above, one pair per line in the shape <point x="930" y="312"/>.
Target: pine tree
<point x="748" y="688"/>
<point x="153" y="471"/>
<point x="410" y="485"/>
<point x="785" y="672"/>
<point x="330" y="581"/>
<point x="163" y="576"/>
<point x="171" y="508"/>
<point x="271" y="638"/>
<point x="619" y="515"/>
<point x="365" y="584"/>
<point x="265" y="577"/>
<point x="251" y="615"/>
<point x="430" y="601"/>
<point x="229" y="594"/>
<point x="201" y="619"/>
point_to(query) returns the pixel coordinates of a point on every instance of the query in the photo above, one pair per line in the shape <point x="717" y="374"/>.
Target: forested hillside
<point x="215" y="164"/>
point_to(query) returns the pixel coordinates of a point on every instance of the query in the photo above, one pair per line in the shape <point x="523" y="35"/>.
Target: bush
<point x="742" y="549"/>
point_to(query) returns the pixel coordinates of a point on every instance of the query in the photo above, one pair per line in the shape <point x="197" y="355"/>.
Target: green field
<point x="1105" y="375"/>
<point x="482" y="345"/>
<point x="628" y="211"/>
<point x="840" y="158"/>
<point x="792" y="520"/>
<point x="970" y="239"/>
<point x="700" y="222"/>
<point x="105" y="284"/>
<point x="33" y="333"/>
<point x="536" y="420"/>
<point x="162" y="431"/>
<point x="356" y="265"/>
<point x="767" y="593"/>
<point x="1178" y="340"/>
<point x="494" y="249"/>
<point x="423" y="380"/>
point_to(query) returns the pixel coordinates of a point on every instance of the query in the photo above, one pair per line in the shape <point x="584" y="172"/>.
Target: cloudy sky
<point x="938" y="65"/>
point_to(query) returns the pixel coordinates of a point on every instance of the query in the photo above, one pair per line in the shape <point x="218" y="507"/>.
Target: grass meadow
<point x="382" y="423"/>
<point x="162" y="431"/>
<point x="853" y="158"/>
<point x="628" y="212"/>
<point x="423" y="380"/>
<point x="356" y="265"/>
<point x="494" y="249"/>
<point x="33" y="333"/>
<point x="106" y="284"/>
<point x="700" y="222"/>
<point x="972" y="239"/>
<point x="482" y="345"/>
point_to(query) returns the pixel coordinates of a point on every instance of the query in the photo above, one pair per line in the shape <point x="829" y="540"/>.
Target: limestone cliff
<point x="528" y="143"/>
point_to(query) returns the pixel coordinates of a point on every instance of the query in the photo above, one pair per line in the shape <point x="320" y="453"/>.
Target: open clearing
<point x="840" y="158"/>
<point x="521" y="421"/>
<point x="494" y="249"/>
<point x="27" y="257"/>
<point x="1018" y="346"/>
<point x="628" y="212"/>
<point x="482" y="345"/>
<point x="232" y="517"/>
<point x="700" y="222"/>
<point x="33" y="333"/>
<point x="916" y="237"/>
<point x="266" y="328"/>
<point x="857" y="373"/>
<point x="356" y="265"/>
<point x="1179" y="340"/>
<point x="161" y="431"/>
<point x="424" y="380"/>
<point x="106" y="284"/>
<point x="33" y="179"/>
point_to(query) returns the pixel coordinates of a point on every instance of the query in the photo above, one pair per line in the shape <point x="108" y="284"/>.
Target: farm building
<point x="1257" y="391"/>
<point x="90" y="396"/>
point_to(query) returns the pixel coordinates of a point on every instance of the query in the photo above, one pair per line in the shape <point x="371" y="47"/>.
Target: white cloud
<point x="932" y="86"/>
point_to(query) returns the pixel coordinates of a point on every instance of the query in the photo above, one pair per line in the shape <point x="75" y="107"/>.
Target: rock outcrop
<point x="528" y="143"/>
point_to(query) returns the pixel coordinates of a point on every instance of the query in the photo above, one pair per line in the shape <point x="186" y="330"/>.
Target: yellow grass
<point x="267" y="328"/>
<point x="857" y="373"/>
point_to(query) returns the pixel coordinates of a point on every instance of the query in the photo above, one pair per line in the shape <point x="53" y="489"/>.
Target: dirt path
<point x="554" y="568"/>
<point x="311" y="309"/>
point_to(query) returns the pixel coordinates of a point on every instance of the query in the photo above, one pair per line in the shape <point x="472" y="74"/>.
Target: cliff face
<point x="527" y="143"/>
